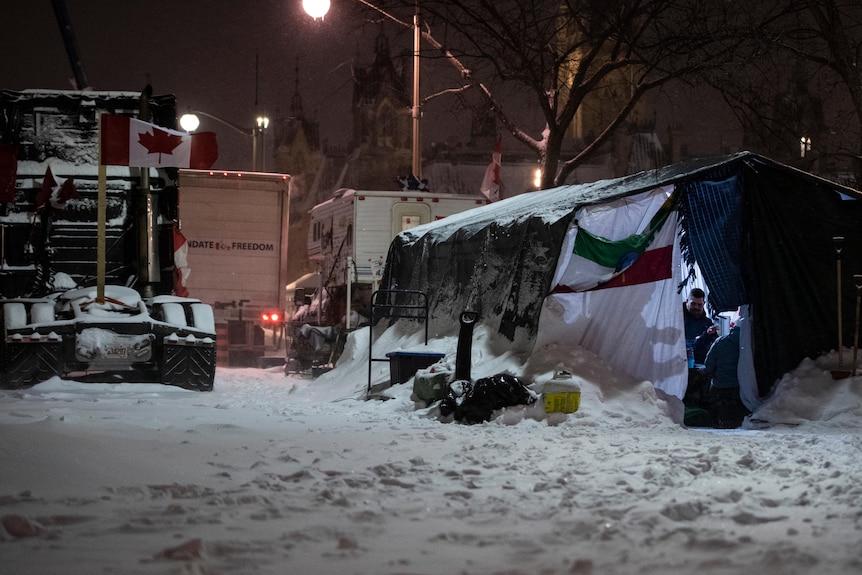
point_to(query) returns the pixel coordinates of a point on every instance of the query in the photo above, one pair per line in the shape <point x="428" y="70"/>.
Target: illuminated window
<point x="804" y="146"/>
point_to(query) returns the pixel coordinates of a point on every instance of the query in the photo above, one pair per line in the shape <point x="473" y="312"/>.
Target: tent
<point x="605" y="265"/>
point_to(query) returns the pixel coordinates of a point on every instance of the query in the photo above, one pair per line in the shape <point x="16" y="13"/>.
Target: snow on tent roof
<point x="551" y="204"/>
<point x="498" y="260"/>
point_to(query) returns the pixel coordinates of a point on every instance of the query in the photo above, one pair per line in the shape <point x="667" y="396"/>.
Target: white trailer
<point x="349" y="235"/>
<point x="236" y="229"/>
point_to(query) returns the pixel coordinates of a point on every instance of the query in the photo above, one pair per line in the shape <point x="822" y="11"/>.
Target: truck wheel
<point x="14" y="315"/>
<point x="42" y="312"/>
<point x="202" y="315"/>
<point x="174" y="314"/>
<point x="190" y="366"/>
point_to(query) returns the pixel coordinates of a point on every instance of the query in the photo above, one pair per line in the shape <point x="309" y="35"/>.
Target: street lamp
<point x="262" y="125"/>
<point x="318" y="9"/>
<point x="191" y="122"/>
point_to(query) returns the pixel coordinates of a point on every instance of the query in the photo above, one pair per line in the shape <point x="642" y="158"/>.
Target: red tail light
<point x="270" y="316"/>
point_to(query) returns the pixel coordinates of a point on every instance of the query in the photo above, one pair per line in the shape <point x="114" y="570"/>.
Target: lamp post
<point x="191" y="122"/>
<point x="318" y="9"/>
<point x="262" y="125"/>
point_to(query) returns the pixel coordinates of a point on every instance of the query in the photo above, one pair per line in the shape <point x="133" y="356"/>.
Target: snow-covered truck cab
<point x="53" y="319"/>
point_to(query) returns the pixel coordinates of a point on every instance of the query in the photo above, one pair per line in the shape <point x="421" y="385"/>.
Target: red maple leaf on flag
<point x="160" y="142"/>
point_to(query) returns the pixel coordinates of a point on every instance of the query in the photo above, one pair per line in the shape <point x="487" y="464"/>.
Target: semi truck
<point x="236" y="229"/>
<point x="86" y="251"/>
<point x="348" y="237"/>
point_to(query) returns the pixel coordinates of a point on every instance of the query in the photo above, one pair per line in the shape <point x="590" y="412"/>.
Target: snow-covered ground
<point x="283" y="474"/>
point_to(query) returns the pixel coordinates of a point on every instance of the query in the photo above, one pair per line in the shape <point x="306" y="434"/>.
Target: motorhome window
<point x="409" y="221"/>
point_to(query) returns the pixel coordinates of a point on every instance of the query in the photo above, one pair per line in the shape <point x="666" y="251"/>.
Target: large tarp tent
<point x="601" y="265"/>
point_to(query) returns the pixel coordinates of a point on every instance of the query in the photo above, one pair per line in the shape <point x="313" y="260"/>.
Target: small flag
<point x="8" y="172"/>
<point x="131" y="142"/>
<point x="181" y="264"/>
<point x="49" y="186"/>
<point x="598" y="262"/>
<point x="55" y="195"/>
<point x="491" y="182"/>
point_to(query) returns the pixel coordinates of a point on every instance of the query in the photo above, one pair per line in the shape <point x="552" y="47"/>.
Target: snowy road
<point x="260" y="476"/>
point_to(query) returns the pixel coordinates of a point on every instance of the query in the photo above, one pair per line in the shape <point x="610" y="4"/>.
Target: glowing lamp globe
<point x="316" y="8"/>
<point x="190" y="122"/>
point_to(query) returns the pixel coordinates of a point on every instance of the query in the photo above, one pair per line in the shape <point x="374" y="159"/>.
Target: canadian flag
<point x="181" y="264"/>
<point x="130" y="142"/>
<point x="491" y="181"/>
<point x="55" y="194"/>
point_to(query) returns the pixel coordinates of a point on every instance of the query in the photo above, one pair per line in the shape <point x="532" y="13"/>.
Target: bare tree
<point x="566" y="55"/>
<point x="800" y="96"/>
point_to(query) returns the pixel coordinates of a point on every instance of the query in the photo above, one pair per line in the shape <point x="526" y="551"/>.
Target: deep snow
<point x="283" y="474"/>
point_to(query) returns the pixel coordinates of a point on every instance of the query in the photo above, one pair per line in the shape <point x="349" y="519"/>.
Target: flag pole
<point x="101" y="211"/>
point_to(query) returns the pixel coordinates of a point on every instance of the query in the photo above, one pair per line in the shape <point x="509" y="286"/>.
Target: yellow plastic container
<point x="562" y="394"/>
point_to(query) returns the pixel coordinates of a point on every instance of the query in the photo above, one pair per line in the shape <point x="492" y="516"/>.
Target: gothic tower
<point x="382" y="130"/>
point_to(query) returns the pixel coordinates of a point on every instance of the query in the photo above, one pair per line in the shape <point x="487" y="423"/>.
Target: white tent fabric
<point x="745" y="368"/>
<point x="646" y="337"/>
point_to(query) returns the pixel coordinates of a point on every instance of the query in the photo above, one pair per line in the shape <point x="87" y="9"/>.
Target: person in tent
<point x="696" y="321"/>
<point x="703" y="342"/>
<point x="721" y="366"/>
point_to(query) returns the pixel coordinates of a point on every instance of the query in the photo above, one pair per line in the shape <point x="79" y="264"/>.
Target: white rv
<point x="349" y="235"/>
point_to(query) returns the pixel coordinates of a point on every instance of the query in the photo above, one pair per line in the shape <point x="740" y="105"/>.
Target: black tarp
<point x="791" y="222"/>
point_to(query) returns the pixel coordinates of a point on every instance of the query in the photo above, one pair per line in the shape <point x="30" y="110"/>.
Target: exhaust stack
<point x="463" y="360"/>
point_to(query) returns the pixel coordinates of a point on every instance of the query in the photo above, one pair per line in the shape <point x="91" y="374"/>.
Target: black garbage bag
<point x="474" y="402"/>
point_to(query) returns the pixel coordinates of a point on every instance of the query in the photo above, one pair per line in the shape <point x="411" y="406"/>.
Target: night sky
<point x="205" y="54"/>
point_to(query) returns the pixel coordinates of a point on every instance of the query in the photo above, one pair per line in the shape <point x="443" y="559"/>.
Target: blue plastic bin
<point x="404" y="364"/>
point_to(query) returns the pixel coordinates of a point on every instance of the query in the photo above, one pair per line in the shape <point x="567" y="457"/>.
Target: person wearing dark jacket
<point x="702" y="344"/>
<point x="695" y="320"/>
<point x="721" y="366"/>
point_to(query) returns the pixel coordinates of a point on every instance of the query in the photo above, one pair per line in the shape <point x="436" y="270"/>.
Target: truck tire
<point x="14" y="315"/>
<point x="202" y="315"/>
<point x="42" y="312"/>
<point x="189" y="363"/>
<point x="174" y="314"/>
